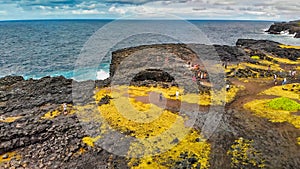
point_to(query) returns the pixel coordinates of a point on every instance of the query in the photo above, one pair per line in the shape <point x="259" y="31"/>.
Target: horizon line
<point x="111" y="19"/>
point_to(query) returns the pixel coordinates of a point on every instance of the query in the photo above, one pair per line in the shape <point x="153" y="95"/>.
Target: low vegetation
<point x="244" y="155"/>
<point x="283" y="103"/>
<point x="163" y="139"/>
<point x="289" y="47"/>
<point x="190" y="152"/>
<point x="291" y="91"/>
<point x="261" y="108"/>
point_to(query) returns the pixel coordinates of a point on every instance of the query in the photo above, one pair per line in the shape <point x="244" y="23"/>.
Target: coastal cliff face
<point x="292" y="27"/>
<point x="35" y="133"/>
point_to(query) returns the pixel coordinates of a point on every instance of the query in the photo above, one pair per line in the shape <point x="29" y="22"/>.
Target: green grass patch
<point x="283" y="103"/>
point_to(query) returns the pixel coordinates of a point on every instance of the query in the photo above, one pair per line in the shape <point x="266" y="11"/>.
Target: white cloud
<point x="87" y="12"/>
<point x="44" y="7"/>
<point x="196" y="9"/>
<point x="118" y="10"/>
<point x="3" y="12"/>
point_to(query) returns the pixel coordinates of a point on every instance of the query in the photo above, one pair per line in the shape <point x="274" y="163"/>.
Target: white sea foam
<point x="101" y="75"/>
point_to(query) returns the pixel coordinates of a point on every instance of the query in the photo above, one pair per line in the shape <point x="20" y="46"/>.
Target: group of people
<point x="284" y="81"/>
<point x="291" y="74"/>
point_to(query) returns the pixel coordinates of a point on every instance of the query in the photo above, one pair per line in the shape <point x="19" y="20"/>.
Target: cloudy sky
<point x="187" y="9"/>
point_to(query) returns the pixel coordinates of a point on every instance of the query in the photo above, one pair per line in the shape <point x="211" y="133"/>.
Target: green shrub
<point x="283" y="103"/>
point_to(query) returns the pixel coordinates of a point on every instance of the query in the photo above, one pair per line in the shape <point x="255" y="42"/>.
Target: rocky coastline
<point x="29" y="139"/>
<point x="292" y="28"/>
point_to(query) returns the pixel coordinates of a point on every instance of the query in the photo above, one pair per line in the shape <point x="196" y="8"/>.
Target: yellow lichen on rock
<point x="263" y="65"/>
<point x="289" y="47"/>
<point x="215" y="98"/>
<point x="267" y="63"/>
<point x="9" y="155"/>
<point x="123" y="117"/>
<point x="9" y="119"/>
<point x="201" y="99"/>
<point x="100" y="93"/>
<point x="256" y="66"/>
<point x="291" y="91"/>
<point x="79" y="152"/>
<point x="255" y="57"/>
<point x="162" y="136"/>
<point x="298" y="140"/>
<point x="51" y="114"/>
<point x="190" y="152"/>
<point x="244" y="155"/>
<point x="231" y="93"/>
<point x="140" y="106"/>
<point x="90" y="140"/>
<point x="283" y="60"/>
<point x="168" y="93"/>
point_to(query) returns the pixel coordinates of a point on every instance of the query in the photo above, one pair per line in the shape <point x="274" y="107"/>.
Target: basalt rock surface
<point x="44" y="143"/>
<point x="261" y="47"/>
<point x="292" y="27"/>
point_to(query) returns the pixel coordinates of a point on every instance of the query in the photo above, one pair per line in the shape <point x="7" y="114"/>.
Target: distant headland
<point x="292" y="27"/>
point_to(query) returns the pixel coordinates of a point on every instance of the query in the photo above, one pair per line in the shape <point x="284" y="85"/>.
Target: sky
<point x="275" y="10"/>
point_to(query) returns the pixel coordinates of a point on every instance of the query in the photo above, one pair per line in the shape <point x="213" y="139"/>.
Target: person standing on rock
<point x="227" y="87"/>
<point x="204" y="75"/>
<point x="177" y="95"/>
<point x="291" y="72"/>
<point x="201" y="76"/>
<point x="284" y="81"/>
<point x="65" y="109"/>
<point x="194" y="79"/>
<point x="275" y="79"/>
<point x="160" y="97"/>
<point x="294" y="74"/>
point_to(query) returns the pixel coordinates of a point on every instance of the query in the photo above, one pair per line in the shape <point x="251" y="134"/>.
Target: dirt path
<point x="250" y="93"/>
<point x="170" y="104"/>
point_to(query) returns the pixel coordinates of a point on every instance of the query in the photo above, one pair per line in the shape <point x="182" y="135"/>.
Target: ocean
<point x="34" y="49"/>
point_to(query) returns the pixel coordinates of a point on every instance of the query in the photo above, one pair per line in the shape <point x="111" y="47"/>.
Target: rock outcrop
<point x="292" y="27"/>
<point x="261" y="47"/>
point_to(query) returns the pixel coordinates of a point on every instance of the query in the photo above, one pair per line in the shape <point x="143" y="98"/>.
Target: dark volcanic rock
<point x="230" y="53"/>
<point x="31" y="94"/>
<point x="181" y="50"/>
<point x="256" y="44"/>
<point x="9" y="80"/>
<point x="153" y="74"/>
<point x="292" y="27"/>
<point x="270" y="47"/>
